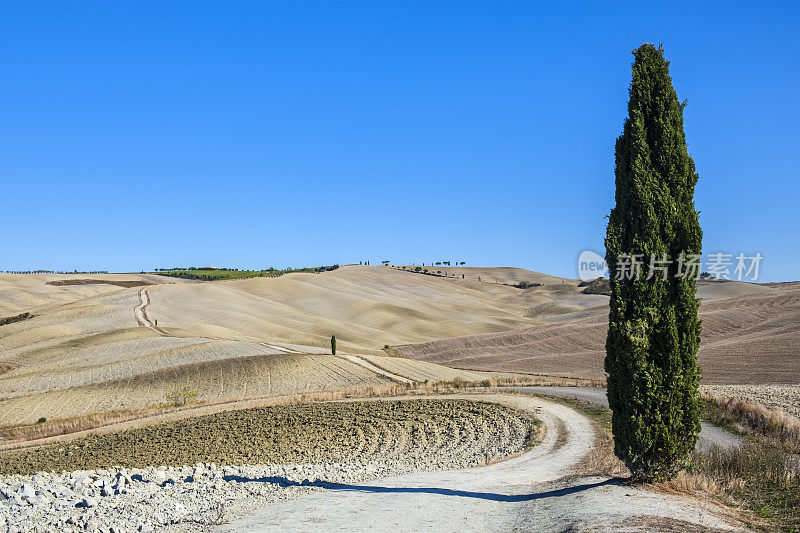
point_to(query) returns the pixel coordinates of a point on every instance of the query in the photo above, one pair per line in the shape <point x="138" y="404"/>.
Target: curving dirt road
<point x="533" y="491"/>
<point x="710" y="435"/>
<point x="139" y="310"/>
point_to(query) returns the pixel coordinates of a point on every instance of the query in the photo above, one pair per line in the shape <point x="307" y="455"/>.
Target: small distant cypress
<point x="333" y="344"/>
<point x="653" y="330"/>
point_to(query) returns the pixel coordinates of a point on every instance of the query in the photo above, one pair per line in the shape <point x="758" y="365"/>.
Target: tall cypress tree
<point x="653" y="330"/>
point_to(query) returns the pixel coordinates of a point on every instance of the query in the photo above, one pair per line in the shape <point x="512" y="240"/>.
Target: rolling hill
<point x="86" y="350"/>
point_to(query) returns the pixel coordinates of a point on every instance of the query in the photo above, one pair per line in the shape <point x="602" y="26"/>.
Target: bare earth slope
<point x="94" y="347"/>
<point x="86" y="349"/>
<point x="365" y="307"/>
<point x="30" y="292"/>
<point x="752" y="339"/>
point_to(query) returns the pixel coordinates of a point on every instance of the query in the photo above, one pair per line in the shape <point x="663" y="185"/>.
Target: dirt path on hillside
<point x="533" y="491"/>
<point x="140" y="311"/>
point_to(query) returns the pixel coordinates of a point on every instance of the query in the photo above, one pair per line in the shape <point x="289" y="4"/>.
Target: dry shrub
<point x="754" y="419"/>
<point x="391" y="352"/>
<point x="181" y="397"/>
<point x="601" y="459"/>
<point x="16" y="318"/>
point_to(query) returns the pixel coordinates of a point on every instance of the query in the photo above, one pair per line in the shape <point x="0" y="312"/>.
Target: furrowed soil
<point x="784" y="398"/>
<point x="97" y="346"/>
<point x="379" y="431"/>
<point x="748" y="338"/>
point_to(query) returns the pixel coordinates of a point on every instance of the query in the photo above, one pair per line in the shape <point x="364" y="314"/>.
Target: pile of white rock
<point x="191" y="497"/>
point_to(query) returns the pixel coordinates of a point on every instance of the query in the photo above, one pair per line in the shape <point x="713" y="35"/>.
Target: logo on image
<point x="591" y="265"/>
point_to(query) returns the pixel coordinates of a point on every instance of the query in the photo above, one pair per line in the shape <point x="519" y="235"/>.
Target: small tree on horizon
<point x="333" y="344"/>
<point x="653" y="330"/>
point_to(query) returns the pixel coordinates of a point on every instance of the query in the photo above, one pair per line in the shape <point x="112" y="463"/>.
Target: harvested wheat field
<point x="366" y="307"/>
<point x="784" y="398"/>
<point x="751" y="335"/>
<point x="106" y="361"/>
<point x="92" y="344"/>
<point x="228" y="377"/>
<point x="93" y="347"/>
<point x="26" y="292"/>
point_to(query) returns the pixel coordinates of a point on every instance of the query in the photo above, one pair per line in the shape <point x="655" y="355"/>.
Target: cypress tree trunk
<point x="653" y="330"/>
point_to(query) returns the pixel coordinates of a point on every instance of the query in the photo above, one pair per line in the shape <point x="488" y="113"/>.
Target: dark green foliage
<point x="596" y="286"/>
<point x="526" y="284"/>
<point x="16" y="318"/>
<point x="214" y="274"/>
<point x="653" y="331"/>
<point x="333" y="344"/>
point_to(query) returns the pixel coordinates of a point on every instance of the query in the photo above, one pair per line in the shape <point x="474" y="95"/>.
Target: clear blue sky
<point x="137" y="135"/>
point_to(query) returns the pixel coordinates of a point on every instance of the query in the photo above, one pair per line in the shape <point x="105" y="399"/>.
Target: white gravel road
<point x="532" y="492"/>
<point x="141" y="317"/>
<point x="710" y="435"/>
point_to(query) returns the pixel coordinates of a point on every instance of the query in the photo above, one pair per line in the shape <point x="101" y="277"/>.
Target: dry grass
<point x="601" y="459"/>
<point x="75" y="424"/>
<point x="784" y="398"/>
<point x="22" y="433"/>
<point x="762" y="477"/>
<point x="224" y="370"/>
<point x="427" y="372"/>
<point x="758" y="480"/>
<point x="758" y="483"/>
<point x="747" y="418"/>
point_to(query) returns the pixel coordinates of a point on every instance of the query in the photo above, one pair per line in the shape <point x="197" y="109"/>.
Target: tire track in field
<point x="369" y="366"/>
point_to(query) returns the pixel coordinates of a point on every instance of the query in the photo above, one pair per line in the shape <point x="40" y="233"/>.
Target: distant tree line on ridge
<point x="213" y="273"/>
